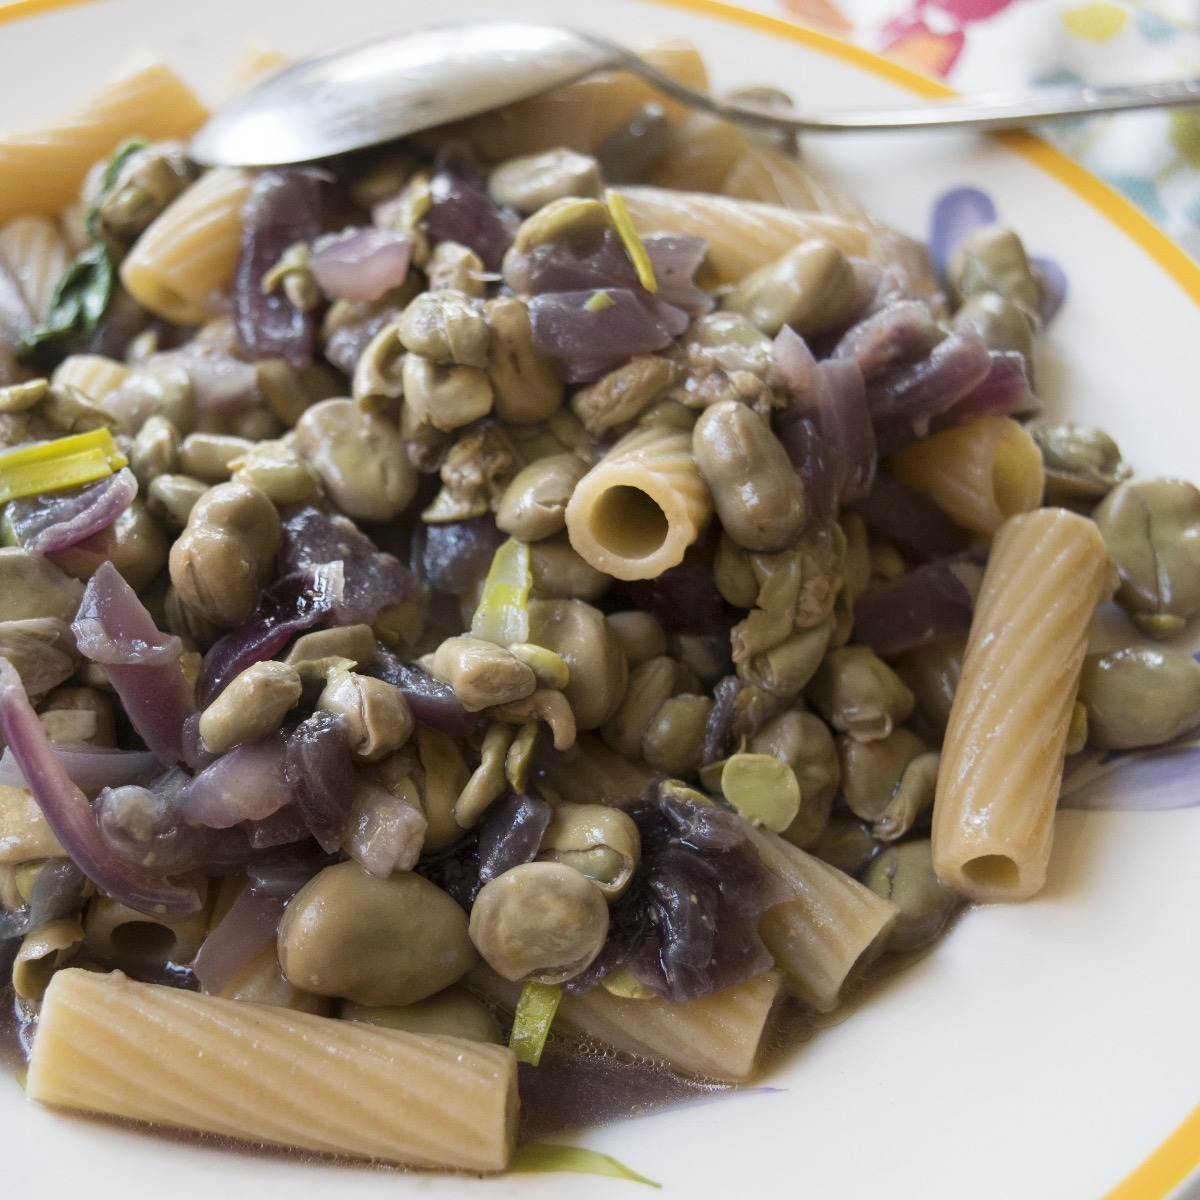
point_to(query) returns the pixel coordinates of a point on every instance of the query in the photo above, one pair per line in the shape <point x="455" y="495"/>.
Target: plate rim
<point x="1177" y="1157"/>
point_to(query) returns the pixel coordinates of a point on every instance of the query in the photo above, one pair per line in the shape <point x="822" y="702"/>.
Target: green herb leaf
<point x="538" y="1158"/>
<point x="531" y="1022"/>
<point x="79" y="302"/>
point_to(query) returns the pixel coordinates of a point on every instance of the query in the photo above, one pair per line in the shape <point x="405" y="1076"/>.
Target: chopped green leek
<point x="532" y="1020"/>
<point x="623" y="220"/>
<point x="537" y="1158"/>
<point x="599" y="301"/>
<point x="62" y="463"/>
<point x="502" y="616"/>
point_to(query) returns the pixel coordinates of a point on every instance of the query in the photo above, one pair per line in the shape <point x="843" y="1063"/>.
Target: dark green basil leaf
<point x="79" y="302"/>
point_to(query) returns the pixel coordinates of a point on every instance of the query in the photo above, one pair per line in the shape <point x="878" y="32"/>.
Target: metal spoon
<point x="397" y="85"/>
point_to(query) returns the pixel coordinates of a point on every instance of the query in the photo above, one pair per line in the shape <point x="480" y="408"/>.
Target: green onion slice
<point x="532" y="1020"/>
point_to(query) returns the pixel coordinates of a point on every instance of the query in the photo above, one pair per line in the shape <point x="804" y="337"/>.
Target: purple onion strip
<point x="361" y="263"/>
<point x="55" y="520"/>
<point x="245" y="931"/>
<point x="956" y="215"/>
<point x="924" y="605"/>
<point x="245" y="784"/>
<point x="70" y="816"/>
<point x="90" y="768"/>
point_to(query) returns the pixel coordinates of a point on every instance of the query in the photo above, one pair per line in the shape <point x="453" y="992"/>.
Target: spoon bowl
<point x="389" y="87"/>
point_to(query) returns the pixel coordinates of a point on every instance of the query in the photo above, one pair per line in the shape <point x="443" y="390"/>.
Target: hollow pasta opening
<point x="143" y="940"/>
<point x="996" y="871"/>
<point x="628" y="522"/>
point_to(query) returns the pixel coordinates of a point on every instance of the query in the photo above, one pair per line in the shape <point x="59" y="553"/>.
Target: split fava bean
<point x="253" y="705"/>
<point x="375" y="941"/>
<point x="758" y="495"/>
<point x="762" y="789"/>
<point x="859" y="694"/>
<point x="1152" y="531"/>
<point x="598" y="841"/>
<point x="526" y="385"/>
<point x="445" y="397"/>
<point x="534" y="505"/>
<point x="541" y="921"/>
<point x="804" y="743"/>
<point x="225" y="555"/>
<point x="904" y="875"/>
<point x="1083" y="464"/>
<point x="1140" y="697"/>
<point x="481" y="673"/>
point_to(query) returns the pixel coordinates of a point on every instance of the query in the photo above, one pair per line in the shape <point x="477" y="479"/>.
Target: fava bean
<point x="1139" y="697"/>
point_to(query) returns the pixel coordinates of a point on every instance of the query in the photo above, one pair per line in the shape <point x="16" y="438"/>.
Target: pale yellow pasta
<point x="93" y="374"/>
<point x="581" y="115"/>
<point x="716" y="1037"/>
<point x="979" y="474"/>
<point x="43" y="168"/>
<point x="182" y="266"/>
<point x="742" y="235"/>
<point x="35" y="254"/>
<point x="108" y="1045"/>
<point x="832" y="929"/>
<point x="769" y="175"/>
<point x="120" y="936"/>
<point x="254" y="62"/>
<point x="1002" y="759"/>
<point x="44" y="951"/>
<point x="25" y="834"/>
<point x="635" y="513"/>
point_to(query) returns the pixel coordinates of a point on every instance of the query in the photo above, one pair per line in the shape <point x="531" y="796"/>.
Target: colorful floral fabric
<point x="996" y="45"/>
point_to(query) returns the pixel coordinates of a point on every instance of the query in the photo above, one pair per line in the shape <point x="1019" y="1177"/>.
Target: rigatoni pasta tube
<point x="834" y="926"/>
<point x="715" y="1037"/>
<point x="106" y="1044"/>
<point x="185" y="260"/>
<point x="979" y="474"/>
<point x="636" y="512"/>
<point x="742" y="235"/>
<point x="43" y="168"/>
<point x="1002" y="759"/>
<point x="35" y="253"/>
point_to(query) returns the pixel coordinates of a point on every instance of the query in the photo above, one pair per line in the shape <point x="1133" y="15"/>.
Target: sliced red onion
<point x="56" y="520"/>
<point x="719" y="729"/>
<point x="904" y="401"/>
<point x="299" y="601"/>
<point x="222" y="385"/>
<point x="1155" y="779"/>
<point x="456" y="555"/>
<point x="371" y="580"/>
<point x="90" y="768"/>
<point x="837" y="403"/>
<point x="1053" y="280"/>
<point x="902" y="332"/>
<point x="461" y="210"/>
<point x="597" y="259"/>
<point x="510" y="833"/>
<point x="142" y="663"/>
<point x="285" y="878"/>
<point x="432" y="702"/>
<point x="956" y="215"/>
<point x="684" y="598"/>
<point x="675" y="260"/>
<point x="922" y="606"/>
<point x="1003" y="392"/>
<point x="70" y="816"/>
<point x="361" y="263"/>
<point x="793" y="361"/>
<point x="386" y="833"/>
<point x="246" y="784"/>
<point x="564" y="327"/>
<point x="244" y="932"/>
<point x="284" y="207"/>
<point x="910" y="520"/>
<point x="279" y="829"/>
<point x="320" y="771"/>
<point x="816" y="461"/>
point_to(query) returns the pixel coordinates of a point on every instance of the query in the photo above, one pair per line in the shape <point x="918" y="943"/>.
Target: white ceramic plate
<point x="1043" y="1051"/>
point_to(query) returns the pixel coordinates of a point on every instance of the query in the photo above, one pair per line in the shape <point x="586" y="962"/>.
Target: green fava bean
<point x="1152" y="531"/>
<point x="1140" y="697"/>
<point x="904" y="875"/>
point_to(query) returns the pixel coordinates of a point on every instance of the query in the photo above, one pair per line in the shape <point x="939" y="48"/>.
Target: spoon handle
<point x="986" y="111"/>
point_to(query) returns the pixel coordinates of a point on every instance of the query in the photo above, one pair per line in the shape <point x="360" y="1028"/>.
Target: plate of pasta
<point x="586" y="640"/>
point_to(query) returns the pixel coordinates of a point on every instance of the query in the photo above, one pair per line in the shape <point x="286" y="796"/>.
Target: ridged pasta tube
<point x="979" y="474"/>
<point x="834" y="926"/>
<point x="93" y="374"/>
<point x="33" y="250"/>
<point x="1002" y="759"/>
<point x="106" y="1044"/>
<point x="185" y="260"/>
<point x="636" y="512"/>
<point x="715" y="1037"/>
<point x="742" y="235"/>
<point x="43" y="168"/>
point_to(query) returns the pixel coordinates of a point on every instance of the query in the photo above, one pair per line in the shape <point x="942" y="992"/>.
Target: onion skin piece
<point x="70" y="816"/>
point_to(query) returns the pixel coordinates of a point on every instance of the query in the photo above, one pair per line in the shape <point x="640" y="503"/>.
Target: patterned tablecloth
<point x="996" y="45"/>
